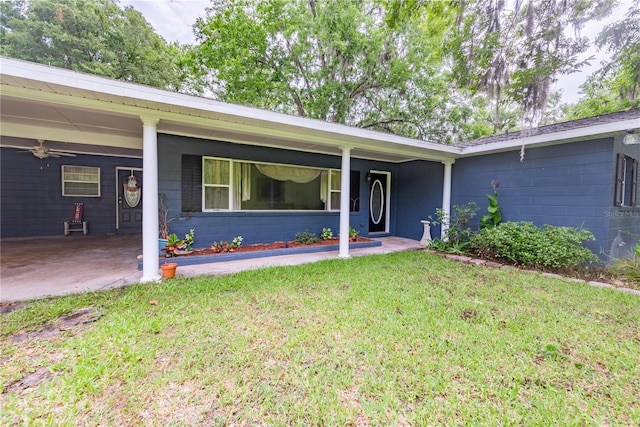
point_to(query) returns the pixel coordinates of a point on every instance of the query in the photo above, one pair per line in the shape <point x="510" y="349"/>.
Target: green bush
<point x="306" y="238"/>
<point x="522" y="243"/>
<point x="458" y="225"/>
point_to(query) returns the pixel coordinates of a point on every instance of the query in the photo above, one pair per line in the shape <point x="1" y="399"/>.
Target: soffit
<point x="95" y="110"/>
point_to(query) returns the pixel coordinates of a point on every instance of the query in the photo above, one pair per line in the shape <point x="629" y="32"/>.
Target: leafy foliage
<point x="332" y="60"/>
<point x="327" y="234"/>
<point x="494" y="216"/>
<point x="522" y="243"/>
<point x="353" y="233"/>
<point x="224" y="246"/>
<point x="174" y="246"/>
<point x="512" y="52"/>
<point x="306" y="238"/>
<point x="189" y="239"/>
<point x="92" y="36"/>
<point x="458" y="228"/>
<point x="616" y="85"/>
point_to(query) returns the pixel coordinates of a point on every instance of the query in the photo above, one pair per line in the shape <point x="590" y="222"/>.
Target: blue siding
<point x="419" y="194"/>
<point x="31" y="194"/>
<point x="562" y="185"/>
<point x="257" y="227"/>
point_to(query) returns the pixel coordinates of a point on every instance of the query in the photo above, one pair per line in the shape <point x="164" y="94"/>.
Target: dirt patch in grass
<point x="80" y="317"/>
<point x="77" y="320"/>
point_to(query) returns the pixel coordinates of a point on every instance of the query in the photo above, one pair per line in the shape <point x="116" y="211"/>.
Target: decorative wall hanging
<point x="132" y="191"/>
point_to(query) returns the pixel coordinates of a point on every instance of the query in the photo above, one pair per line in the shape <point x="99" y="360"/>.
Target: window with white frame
<point x="216" y="183"/>
<point x="80" y="181"/>
<point x="252" y="186"/>
<point x="626" y="185"/>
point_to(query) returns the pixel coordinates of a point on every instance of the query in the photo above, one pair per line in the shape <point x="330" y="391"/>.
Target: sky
<point x="173" y="20"/>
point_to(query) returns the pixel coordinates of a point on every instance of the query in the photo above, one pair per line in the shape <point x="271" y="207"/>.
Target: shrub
<point x="459" y="229"/>
<point x="327" y="234"/>
<point x="522" y="243"/>
<point x="189" y="240"/>
<point x="224" y="246"/>
<point x="306" y="238"/>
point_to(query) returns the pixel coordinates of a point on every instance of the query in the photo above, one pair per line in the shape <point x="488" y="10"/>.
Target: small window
<point x="626" y="186"/>
<point x="80" y="181"/>
<point x="335" y="176"/>
<point x="216" y="183"/>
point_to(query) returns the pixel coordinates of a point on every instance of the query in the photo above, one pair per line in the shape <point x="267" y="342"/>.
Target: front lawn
<point x="402" y="339"/>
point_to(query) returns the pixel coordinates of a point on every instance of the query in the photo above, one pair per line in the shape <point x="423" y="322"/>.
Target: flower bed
<point x="261" y="250"/>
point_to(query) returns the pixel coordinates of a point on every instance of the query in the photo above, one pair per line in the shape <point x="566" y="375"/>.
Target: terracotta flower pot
<point x="169" y="269"/>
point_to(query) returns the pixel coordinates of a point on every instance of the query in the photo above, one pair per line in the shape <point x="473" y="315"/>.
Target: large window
<point x="237" y="185"/>
<point x="80" y="181"/>
<point x="626" y="189"/>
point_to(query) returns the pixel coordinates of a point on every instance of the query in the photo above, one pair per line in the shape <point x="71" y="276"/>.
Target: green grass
<point x="400" y="339"/>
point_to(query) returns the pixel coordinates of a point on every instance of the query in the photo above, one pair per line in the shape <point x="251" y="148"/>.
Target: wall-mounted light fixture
<point x="631" y="138"/>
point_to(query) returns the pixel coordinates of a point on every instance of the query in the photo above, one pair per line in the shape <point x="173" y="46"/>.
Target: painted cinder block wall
<point x="419" y="194"/>
<point x="257" y="226"/>
<point x="31" y="194"/>
<point x="564" y="185"/>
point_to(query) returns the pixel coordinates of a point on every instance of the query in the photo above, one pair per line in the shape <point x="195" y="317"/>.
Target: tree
<point x="332" y="60"/>
<point x="93" y="36"/>
<point x="616" y="85"/>
<point x="512" y="52"/>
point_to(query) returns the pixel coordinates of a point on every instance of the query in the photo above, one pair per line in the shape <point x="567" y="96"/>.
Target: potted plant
<point x="353" y="234"/>
<point x="173" y="246"/>
<point x="164" y="219"/>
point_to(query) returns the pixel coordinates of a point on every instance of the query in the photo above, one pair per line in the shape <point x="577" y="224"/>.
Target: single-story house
<point x="70" y="137"/>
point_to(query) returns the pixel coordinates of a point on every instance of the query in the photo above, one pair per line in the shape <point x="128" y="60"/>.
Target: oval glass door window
<point x="376" y="202"/>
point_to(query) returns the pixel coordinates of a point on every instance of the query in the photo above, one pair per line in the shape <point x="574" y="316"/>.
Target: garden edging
<point x="479" y="261"/>
<point x="234" y="256"/>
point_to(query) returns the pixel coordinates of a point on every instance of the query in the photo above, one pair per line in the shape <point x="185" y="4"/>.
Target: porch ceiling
<point x="85" y="113"/>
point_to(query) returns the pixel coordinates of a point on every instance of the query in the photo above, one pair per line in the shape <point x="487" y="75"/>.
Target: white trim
<point x="63" y="180"/>
<point x="553" y="138"/>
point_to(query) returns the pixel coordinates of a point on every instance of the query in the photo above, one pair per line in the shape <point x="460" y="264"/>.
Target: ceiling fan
<point x="42" y="152"/>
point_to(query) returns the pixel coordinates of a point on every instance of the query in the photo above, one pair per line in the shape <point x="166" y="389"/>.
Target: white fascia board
<point x="553" y="138"/>
<point x="234" y="113"/>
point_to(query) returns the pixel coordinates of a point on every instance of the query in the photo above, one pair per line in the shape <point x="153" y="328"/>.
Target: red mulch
<point x="268" y="246"/>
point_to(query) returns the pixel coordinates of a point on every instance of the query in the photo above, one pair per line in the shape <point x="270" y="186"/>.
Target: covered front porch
<point x="81" y="111"/>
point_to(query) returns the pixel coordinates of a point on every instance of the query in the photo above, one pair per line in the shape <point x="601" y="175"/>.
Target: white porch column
<point x="150" y="249"/>
<point x="446" y="196"/>
<point x="345" y="202"/>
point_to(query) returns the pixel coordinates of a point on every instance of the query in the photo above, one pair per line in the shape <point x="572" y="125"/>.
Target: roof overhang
<point x="92" y="114"/>
<point x="613" y="129"/>
<point x="41" y="102"/>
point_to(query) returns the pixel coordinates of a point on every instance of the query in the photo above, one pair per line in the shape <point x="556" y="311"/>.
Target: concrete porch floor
<point x="48" y="266"/>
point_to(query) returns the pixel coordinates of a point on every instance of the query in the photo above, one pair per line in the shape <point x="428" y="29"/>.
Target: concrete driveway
<point x="37" y="267"/>
<point x="47" y="266"/>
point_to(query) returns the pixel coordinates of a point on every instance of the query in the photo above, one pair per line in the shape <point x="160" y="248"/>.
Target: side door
<point x="129" y="200"/>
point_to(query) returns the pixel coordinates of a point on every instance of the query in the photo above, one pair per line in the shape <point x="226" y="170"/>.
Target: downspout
<point x="150" y="249"/>
<point x="446" y="198"/>
<point x="345" y="198"/>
